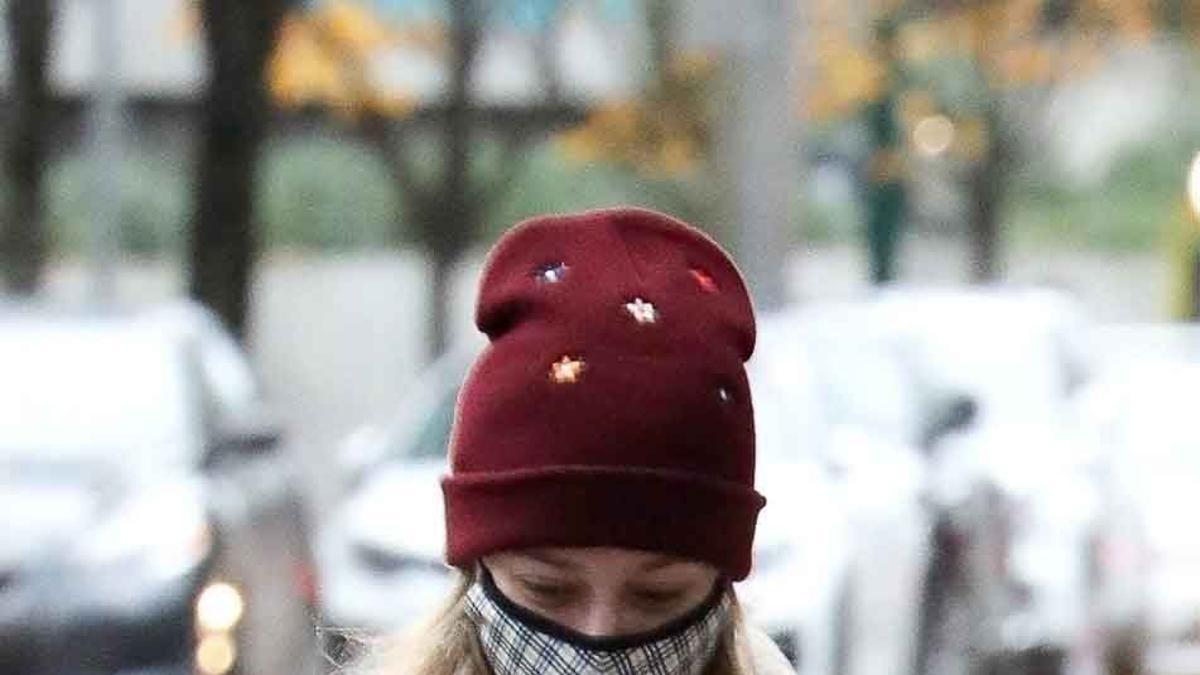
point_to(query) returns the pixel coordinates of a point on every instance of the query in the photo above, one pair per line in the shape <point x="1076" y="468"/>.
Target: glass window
<point x="80" y="391"/>
<point x="433" y="437"/>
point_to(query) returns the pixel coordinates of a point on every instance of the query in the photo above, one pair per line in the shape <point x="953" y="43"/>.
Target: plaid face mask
<point x="516" y="641"/>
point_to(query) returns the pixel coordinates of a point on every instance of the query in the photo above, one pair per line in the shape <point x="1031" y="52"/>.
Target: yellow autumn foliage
<point x="916" y="105"/>
<point x="1008" y="41"/>
<point x="302" y="71"/>
<point x="323" y="57"/>
<point x="352" y="26"/>
<point x="972" y="138"/>
<point x="1025" y="65"/>
<point x="921" y="41"/>
<point x="847" y="76"/>
<point x="664" y="133"/>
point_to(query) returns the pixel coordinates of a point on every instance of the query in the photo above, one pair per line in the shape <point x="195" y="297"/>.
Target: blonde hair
<point x="446" y="644"/>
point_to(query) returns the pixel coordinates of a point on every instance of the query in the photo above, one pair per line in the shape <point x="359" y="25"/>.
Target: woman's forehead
<point x="584" y="558"/>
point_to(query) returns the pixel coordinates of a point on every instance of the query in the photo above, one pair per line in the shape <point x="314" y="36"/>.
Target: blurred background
<point x="239" y="243"/>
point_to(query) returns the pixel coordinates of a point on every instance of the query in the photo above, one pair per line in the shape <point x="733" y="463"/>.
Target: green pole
<point x="886" y="194"/>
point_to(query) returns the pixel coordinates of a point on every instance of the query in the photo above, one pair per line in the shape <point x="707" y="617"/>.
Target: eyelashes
<point x="660" y="597"/>
<point x="549" y="594"/>
<point x="554" y="596"/>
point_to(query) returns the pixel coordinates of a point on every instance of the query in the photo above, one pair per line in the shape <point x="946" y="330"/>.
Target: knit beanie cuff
<point x="642" y="508"/>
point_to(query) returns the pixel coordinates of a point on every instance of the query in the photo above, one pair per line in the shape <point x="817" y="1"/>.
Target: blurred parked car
<point x="379" y="556"/>
<point x="813" y="408"/>
<point x="858" y="404"/>
<point x="135" y="453"/>
<point x="1141" y="412"/>
<point x="1015" y="492"/>
<point x="839" y="494"/>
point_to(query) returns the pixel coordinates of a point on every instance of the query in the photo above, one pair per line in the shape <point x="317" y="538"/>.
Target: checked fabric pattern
<point x="513" y="647"/>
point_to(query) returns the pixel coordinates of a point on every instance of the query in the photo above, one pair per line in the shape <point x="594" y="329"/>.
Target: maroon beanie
<point x="611" y="406"/>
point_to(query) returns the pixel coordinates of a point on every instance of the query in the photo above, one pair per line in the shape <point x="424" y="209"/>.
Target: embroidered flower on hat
<point x="551" y="273"/>
<point x="627" y="324"/>
<point x="566" y="370"/>
<point x="704" y="279"/>
<point x="641" y="310"/>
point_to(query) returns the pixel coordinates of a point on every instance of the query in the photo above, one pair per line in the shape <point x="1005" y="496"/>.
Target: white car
<point x="1141" y="411"/>
<point x="1000" y="506"/>
<point x="1016" y="488"/>
<point x="799" y="588"/>
<point x="844" y="395"/>
<point x="379" y="554"/>
<point x="122" y="439"/>
<point x="840" y="497"/>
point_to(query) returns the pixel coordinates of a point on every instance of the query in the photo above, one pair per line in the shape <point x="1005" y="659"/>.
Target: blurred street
<point x="336" y="348"/>
<point x="240" y="249"/>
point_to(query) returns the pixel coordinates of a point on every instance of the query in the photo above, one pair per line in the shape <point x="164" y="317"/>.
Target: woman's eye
<point x="657" y="598"/>
<point x="548" y="592"/>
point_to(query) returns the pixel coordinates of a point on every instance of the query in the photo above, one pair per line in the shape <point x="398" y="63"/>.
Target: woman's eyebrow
<point x="552" y="560"/>
<point x="661" y="563"/>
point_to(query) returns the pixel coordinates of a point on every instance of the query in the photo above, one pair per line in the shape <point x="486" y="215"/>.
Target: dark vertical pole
<point x="24" y="242"/>
<point x="224" y="241"/>
<point x="886" y="194"/>
<point x="450" y="220"/>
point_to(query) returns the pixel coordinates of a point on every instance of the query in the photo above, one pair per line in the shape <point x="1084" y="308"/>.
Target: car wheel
<point x="1124" y="654"/>
<point x="843" y="634"/>
<point x="1037" y="660"/>
<point x="942" y="642"/>
<point x="1042" y="660"/>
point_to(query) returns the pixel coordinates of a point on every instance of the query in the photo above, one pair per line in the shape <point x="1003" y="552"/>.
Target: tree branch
<point x="514" y="158"/>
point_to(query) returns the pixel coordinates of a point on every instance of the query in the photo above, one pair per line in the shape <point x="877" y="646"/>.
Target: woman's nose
<point x="604" y="620"/>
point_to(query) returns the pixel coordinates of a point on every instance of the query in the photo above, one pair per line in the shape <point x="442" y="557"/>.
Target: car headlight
<point x="216" y="654"/>
<point x="218" y="611"/>
<point x="163" y="531"/>
<point x="219" y="607"/>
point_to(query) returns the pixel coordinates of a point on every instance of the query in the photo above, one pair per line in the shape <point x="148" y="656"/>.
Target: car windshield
<point x="1017" y="375"/>
<point x="863" y="382"/>
<point x="790" y="421"/>
<point x="1157" y="426"/>
<point x="75" y="392"/>
<point x="433" y="435"/>
<point x="1016" y="355"/>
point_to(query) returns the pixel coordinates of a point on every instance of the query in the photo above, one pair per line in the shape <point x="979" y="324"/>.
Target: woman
<point x="600" y="500"/>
